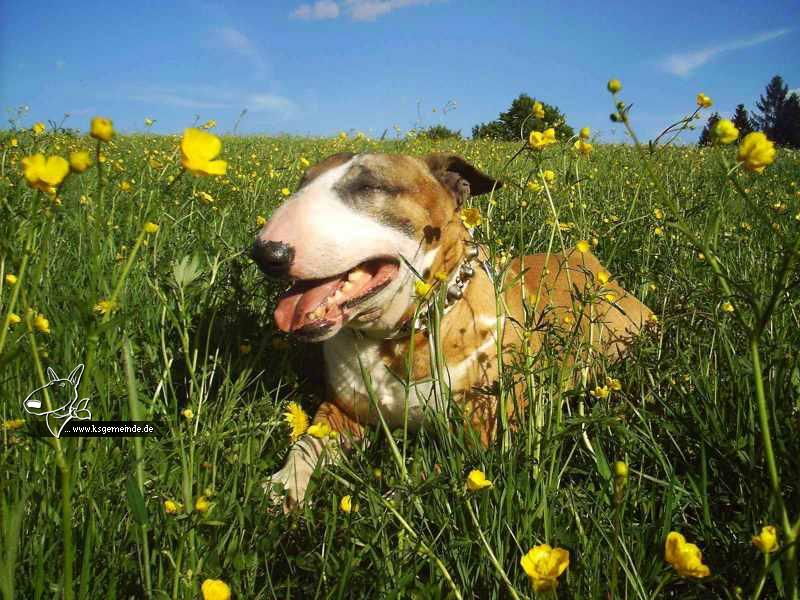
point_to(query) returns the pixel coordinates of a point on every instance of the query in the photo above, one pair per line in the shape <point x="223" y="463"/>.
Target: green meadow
<point x="175" y="325"/>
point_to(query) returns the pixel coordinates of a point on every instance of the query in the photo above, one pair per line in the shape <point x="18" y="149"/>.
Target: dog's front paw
<point x="288" y="487"/>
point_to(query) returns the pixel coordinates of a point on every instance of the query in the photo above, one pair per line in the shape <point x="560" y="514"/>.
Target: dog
<point x="362" y="238"/>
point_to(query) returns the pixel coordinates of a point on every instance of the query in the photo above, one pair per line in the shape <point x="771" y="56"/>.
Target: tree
<point x="438" y="132"/>
<point x="742" y="121"/>
<point x="770" y="105"/>
<point x="705" y="135"/>
<point x="787" y="128"/>
<point x="519" y="119"/>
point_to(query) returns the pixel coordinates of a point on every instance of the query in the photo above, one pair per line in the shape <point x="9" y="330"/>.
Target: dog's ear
<point x="459" y="176"/>
<point x="326" y="164"/>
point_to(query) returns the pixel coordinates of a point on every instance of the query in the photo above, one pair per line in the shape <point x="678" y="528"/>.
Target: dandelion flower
<point x="756" y="152"/>
<point x="38" y="128"/>
<point x="11" y="279"/>
<point x="658" y="213"/>
<point x="614" y="86"/>
<point x="346" y="504"/>
<point x="535" y="187"/>
<point x="600" y="392"/>
<point x="684" y="557"/>
<point x="582" y="246"/>
<point x="104" y="307"/>
<point x="421" y="288"/>
<point x="79" y="161"/>
<point x="620" y="469"/>
<point x="320" y="430"/>
<point x="215" y="589"/>
<point x="725" y="131"/>
<point x="198" y="151"/>
<point x="703" y="101"/>
<point x="13" y="319"/>
<point x="286" y="192"/>
<point x="150" y="227"/>
<point x="125" y="186"/>
<point x="202" y="505"/>
<point x="476" y="481"/>
<point x="538" y="110"/>
<point x="728" y="307"/>
<point x="45" y="173"/>
<point x="549" y="175"/>
<point x="544" y="565"/>
<point x="603" y="277"/>
<point x="297" y="419"/>
<point x="41" y="324"/>
<point x="102" y="129"/>
<point x="187" y="414"/>
<point x="171" y="507"/>
<point x="767" y="540"/>
<point x="471" y="217"/>
<point x="585" y="133"/>
<point x="583" y="147"/>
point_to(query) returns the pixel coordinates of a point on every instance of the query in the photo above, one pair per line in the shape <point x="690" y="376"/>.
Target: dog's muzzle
<point x="273" y="258"/>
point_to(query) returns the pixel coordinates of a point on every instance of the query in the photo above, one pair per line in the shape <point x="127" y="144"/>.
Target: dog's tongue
<point x="303" y="298"/>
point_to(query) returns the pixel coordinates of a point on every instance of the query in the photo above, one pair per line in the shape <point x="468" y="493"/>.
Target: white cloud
<point x="683" y="63"/>
<point x="237" y="42"/>
<point x="199" y="98"/>
<point x="323" y="9"/>
<point x="358" y="10"/>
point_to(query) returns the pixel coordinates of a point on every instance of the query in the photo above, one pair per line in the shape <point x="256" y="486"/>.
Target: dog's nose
<point x="273" y="258"/>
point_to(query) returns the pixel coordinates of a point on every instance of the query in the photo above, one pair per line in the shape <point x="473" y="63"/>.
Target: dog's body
<point x="348" y="236"/>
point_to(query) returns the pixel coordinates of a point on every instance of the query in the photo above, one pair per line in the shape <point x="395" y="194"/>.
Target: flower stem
<point x="498" y="567"/>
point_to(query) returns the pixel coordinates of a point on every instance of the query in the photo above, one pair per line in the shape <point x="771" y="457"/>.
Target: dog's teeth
<point x="356" y="274"/>
<point x="347" y="286"/>
<point x="338" y="297"/>
<point x="316" y="314"/>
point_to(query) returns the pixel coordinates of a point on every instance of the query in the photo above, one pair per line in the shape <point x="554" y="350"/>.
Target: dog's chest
<point x="345" y="355"/>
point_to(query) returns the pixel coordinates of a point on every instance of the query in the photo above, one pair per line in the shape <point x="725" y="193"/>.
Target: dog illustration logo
<point x="65" y="394"/>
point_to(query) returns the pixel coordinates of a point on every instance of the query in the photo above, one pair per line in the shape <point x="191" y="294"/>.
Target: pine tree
<point x="742" y="121"/>
<point x="770" y="105"/>
<point x="705" y="135"/>
<point x="788" y="123"/>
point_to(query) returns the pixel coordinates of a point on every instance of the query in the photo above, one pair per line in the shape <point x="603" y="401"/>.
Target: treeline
<point x="777" y="114"/>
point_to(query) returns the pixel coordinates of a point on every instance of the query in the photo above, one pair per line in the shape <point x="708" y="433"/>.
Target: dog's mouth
<point x="313" y="307"/>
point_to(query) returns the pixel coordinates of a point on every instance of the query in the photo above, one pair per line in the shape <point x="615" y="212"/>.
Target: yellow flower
<point x="205" y="197"/>
<point x="304" y="161"/>
<point x="471" y="217"/>
<point x="320" y="430"/>
<point x="346" y="504"/>
<point x="538" y="110"/>
<point x="41" y="324"/>
<point x="13" y="424"/>
<point x="14" y="142"/>
<point x="38" y="128"/>
<point x="725" y="131"/>
<point x="703" y="101"/>
<point x="728" y="307"/>
<point x="585" y="133"/>
<point x="582" y="246"/>
<point x="260" y="221"/>
<point x="198" y="151"/>
<point x="658" y="213"/>
<point x="286" y="192"/>
<point x="620" y="469"/>
<point x="215" y="589"/>
<point x="544" y="565"/>
<point x="476" y="481"/>
<point x="150" y="227"/>
<point x="600" y="393"/>
<point x="11" y="279"/>
<point x="658" y="231"/>
<point x="535" y="186"/>
<point x="105" y="306"/>
<point x="13" y="319"/>
<point x="79" y="161"/>
<point x="297" y="420"/>
<point x="582" y="147"/>
<point x="684" y="557"/>
<point x="342" y="135"/>
<point x="441" y="276"/>
<point x="614" y="86"/>
<point x="45" y="174"/>
<point x="614" y="384"/>
<point x="125" y="186"/>
<point x="188" y="414"/>
<point x="210" y="124"/>
<point x="421" y="288"/>
<point x="202" y="505"/>
<point x="549" y="176"/>
<point x="756" y="152"/>
<point x="767" y="540"/>
<point x="171" y="507"/>
<point x="540" y="140"/>
<point x="603" y="277"/>
<point x="102" y="129"/>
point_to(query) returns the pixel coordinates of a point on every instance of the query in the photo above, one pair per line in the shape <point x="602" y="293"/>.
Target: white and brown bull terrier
<point x="348" y="238"/>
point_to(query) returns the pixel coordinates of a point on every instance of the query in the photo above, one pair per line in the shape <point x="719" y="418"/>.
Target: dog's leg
<point x="308" y="451"/>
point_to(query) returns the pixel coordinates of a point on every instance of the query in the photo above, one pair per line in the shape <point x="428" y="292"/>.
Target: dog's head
<point x="346" y="235"/>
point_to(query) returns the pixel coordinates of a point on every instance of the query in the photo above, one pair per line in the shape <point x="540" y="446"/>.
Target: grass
<point x="85" y="517"/>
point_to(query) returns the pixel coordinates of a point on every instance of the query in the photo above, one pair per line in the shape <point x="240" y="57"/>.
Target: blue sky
<point x="320" y="67"/>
